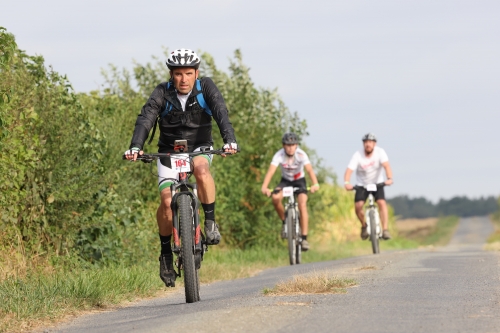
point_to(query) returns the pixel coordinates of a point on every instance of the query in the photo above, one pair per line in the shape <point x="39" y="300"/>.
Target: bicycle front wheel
<point x="191" y="281"/>
<point x="291" y="233"/>
<point x="373" y="232"/>
<point x="298" y="241"/>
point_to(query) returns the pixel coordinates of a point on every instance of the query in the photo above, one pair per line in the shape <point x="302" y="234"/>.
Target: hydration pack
<point x="168" y="107"/>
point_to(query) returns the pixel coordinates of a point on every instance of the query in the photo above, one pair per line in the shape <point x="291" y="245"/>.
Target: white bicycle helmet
<point x="369" y="137"/>
<point x="183" y="58"/>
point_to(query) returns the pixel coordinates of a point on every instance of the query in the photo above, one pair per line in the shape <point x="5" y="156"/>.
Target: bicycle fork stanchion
<point x="373" y="224"/>
<point x="372" y="207"/>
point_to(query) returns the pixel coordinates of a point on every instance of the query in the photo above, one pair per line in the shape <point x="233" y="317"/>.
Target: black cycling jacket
<point x="193" y="124"/>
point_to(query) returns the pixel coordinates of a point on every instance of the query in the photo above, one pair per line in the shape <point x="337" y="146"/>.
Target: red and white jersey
<point x="292" y="168"/>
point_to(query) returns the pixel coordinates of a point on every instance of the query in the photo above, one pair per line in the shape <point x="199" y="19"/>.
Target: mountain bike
<point x="188" y="242"/>
<point x="292" y="223"/>
<point x="372" y="216"/>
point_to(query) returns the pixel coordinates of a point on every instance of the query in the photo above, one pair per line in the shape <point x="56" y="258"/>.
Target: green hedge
<point x="64" y="187"/>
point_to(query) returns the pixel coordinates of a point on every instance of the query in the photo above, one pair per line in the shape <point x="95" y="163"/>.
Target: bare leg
<point x="204" y="179"/>
<point x="304" y="216"/>
<point x="277" y="197"/>
<point x="384" y="214"/>
<point x="358" y="207"/>
<point x="164" y="213"/>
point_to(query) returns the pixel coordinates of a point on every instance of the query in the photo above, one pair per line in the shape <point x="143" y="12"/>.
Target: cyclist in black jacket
<point x="176" y="106"/>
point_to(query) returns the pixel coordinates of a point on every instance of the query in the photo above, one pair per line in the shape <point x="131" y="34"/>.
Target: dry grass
<point x="15" y="263"/>
<point x="316" y="283"/>
<point x="416" y="229"/>
<point x="494" y="246"/>
<point x="294" y="303"/>
<point x="493" y="242"/>
<point x="366" y="268"/>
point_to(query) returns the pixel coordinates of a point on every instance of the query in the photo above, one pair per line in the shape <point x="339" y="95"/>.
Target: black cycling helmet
<point x="370" y="137"/>
<point x="183" y="58"/>
<point x="290" y="139"/>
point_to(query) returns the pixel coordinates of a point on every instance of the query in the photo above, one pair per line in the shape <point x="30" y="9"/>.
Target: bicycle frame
<point x="181" y="187"/>
<point x="189" y="243"/>
<point x="372" y="216"/>
<point x="292" y="203"/>
<point x="292" y="225"/>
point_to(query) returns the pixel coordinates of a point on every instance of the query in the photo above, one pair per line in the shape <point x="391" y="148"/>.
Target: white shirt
<point x="368" y="169"/>
<point x="292" y="168"/>
<point x="183" y="99"/>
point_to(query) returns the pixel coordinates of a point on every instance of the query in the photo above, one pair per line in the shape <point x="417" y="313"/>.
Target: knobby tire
<point x="191" y="281"/>
<point x="291" y="235"/>
<point x="298" y="245"/>
<point x="373" y="232"/>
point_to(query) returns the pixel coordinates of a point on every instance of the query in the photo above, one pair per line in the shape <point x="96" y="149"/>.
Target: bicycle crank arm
<point x="178" y="264"/>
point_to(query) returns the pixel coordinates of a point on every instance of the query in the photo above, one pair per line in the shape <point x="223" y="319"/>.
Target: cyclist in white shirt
<point x="368" y="164"/>
<point x="293" y="161"/>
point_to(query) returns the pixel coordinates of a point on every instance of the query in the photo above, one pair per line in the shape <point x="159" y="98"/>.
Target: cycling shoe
<point x="167" y="272"/>
<point x="212" y="232"/>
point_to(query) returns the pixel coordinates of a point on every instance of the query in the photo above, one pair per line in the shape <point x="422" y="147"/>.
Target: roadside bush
<point x="50" y="152"/>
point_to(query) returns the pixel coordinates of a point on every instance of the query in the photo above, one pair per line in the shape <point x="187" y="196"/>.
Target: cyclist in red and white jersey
<point x="293" y="161"/>
<point x="368" y="164"/>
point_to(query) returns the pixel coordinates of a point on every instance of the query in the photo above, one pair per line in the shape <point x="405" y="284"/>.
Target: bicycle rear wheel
<point x="191" y="281"/>
<point x="290" y="215"/>
<point x="373" y="232"/>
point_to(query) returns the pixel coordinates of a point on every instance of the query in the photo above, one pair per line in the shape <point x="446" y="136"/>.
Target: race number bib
<point x="371" y="188"/>
<point x="288" y="191"/>
<point x="180" y="163"/>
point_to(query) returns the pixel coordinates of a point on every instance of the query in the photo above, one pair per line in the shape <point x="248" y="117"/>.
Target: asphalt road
<point x="450" y="289"/>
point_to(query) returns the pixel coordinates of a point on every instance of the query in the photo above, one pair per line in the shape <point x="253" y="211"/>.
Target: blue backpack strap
<point x="201" y="99"/>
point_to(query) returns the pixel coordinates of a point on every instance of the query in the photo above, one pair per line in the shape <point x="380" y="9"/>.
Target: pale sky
<point x="424" y="76"/>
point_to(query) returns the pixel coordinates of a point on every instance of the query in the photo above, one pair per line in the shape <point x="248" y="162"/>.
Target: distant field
<point x="416" y="228"/>
<point x="429" y="231"/>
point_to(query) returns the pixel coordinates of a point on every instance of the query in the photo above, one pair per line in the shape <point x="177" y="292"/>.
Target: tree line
<point x="420" y="207"/>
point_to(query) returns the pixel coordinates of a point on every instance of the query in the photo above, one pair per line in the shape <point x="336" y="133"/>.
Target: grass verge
<point x="40" y="298"/>
<point x="493" y="242"/>
<point x="316" y="283"/>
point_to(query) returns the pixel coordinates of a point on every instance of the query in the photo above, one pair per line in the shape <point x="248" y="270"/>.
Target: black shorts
<point x="362" y="194"/>
<point x="301" y="182"/>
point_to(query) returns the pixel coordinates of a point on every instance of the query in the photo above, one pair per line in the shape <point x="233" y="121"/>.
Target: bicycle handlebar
<point x="154" y="156"/>
<point x="359" y="187"/>
<point x="295" y="189"/>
